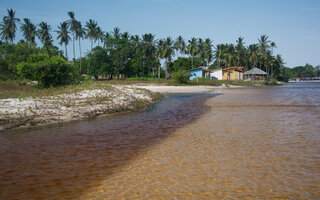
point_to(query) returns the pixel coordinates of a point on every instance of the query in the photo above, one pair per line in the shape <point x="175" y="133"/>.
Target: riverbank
<point x="24" y="106"/>
<point x="77" y="105"/>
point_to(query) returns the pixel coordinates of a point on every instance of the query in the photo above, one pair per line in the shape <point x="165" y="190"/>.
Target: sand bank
<point x="15" y="112"/>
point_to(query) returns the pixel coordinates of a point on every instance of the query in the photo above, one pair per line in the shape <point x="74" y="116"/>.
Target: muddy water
<point x="257" y="143"/>
<point x="64" y="162"/>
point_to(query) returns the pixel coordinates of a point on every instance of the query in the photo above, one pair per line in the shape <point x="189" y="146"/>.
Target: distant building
<point x="196" y="72"/>
<point x="232" y="73"/>
<point x="216" y="74"/>
<point x="255" y="74"/>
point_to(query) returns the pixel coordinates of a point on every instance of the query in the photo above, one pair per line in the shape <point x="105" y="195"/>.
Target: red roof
<point x="194" y="69"/>
<point x="240" y="69"/>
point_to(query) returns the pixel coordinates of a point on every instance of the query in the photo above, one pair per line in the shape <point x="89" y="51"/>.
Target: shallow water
<point x="256" y="143"/>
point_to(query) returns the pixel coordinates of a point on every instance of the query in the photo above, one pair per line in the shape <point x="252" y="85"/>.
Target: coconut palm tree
<point x="44" y="34"/>
<point x="207" y="50"/>
<point x="180" y="45"/>
<point x="230" y="55"/>
<point x="29" y="30"/>
<point x="72" y="22"/>
<point x="63" y="35"/>
<point x="263" y="47"/>
<point x="116" y="33"/>
<point x="193" y="49"/>
<point x="79" y="34"/>
<point x="272" y="46"/>
<point x="99" y="35"/>
<point x="219" y="53"/>
<point x="8" y="28"/>
<point x="253" y="54"/>
<point x="91" y="26"/>
<point x="148" y="49"/>
<point x="168" y="51"/>
<point x="240" y="52"/>
<point x="160" y="54"/>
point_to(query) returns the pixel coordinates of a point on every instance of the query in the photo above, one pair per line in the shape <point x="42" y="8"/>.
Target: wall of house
<point x="216" y="74"/>
<point x="197" y="73"/>
<point x="229" y="75"/>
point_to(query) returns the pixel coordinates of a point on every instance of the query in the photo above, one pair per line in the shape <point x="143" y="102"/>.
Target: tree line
<point x="120" y="54"/>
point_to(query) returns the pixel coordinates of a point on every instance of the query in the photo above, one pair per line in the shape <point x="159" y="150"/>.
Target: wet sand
<point x="185" y="89"/>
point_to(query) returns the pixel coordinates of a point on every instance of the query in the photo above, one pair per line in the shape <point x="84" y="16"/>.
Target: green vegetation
<point x="181" y="76"/>
<point x="120" y="55"/>
<point x="48" y="71"/>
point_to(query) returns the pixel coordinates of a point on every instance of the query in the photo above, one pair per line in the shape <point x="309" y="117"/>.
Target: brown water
<point x="245" y="144"/>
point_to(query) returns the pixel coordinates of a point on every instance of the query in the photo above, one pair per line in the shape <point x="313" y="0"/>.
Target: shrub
<point x="181" y="76"/>
<point x="54" y="71"/>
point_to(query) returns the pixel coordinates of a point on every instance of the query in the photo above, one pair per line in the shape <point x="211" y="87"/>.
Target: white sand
<point x="16" y="112"/>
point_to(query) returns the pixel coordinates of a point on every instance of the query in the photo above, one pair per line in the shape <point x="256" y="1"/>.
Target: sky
<point x="294" y="25"/>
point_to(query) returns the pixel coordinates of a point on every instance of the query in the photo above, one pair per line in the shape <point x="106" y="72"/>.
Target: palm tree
<point x="137" y="48"/>
<point x="72" y="22"/>
<point x="207" y="50"/>
<point x="63" y="35"/>
<point x="168" y="51"/>
<point x="160" y="54"/>
<point x="8" y="28"/>
<point x="91" y="26"/>
<point x="29" y="30"/>
<point x="253" y="54"/>
<point x="263" y="47"/>
<point x="99" y="35"/>
<point x="148" y="49"/>
<point x="44" y="34"/>
<point x="219" y="53"/>
<point x="192" y="49"/>
<point x="116" y="33"/>
<point x="180" y="45"/>
<point x="272" y="46"/>
<point x="241" y="50"/>
<point x="80" y="33"/>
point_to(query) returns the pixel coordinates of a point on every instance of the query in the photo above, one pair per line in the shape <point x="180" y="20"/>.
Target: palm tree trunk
<point x="65" y="46"/>
<point x="159" y="71"/>
<point x="74" y="52"/>
<point x="192" y="61"/>
<point x="80" y="55"/>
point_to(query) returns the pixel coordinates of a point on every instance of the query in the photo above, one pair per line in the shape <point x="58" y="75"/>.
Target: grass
<point x="12" y="89"/>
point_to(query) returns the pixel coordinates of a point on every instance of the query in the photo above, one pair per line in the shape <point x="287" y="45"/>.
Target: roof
<point x="255" y="71"/>
<point x="214" y="69"/>
<point x="194" y="69"/>
<point x="235" y="68"/>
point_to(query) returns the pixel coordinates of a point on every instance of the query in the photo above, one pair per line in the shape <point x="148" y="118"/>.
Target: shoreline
<point x="16" y="113"/>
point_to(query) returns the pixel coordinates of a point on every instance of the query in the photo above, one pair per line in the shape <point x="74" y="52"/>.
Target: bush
<point x="205" y="81"/>
<point x="181" y="76"/>
<point x="54" y="71"/>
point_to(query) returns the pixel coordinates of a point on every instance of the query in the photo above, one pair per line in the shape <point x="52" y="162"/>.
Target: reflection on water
<point x="257" y="143"/>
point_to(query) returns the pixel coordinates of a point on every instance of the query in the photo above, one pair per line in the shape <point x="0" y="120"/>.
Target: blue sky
<point x="293" y="24"/>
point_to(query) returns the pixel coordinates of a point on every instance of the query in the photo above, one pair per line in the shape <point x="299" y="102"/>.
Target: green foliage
<point x="48" y="71"/>
<point x="186" y="63"/>
<point x="181" y="76"/>
<point x="204" y="81"/>
<point x="99" y="62"/>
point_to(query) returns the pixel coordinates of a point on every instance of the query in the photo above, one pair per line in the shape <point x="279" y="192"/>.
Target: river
<point x="254" y="143"/>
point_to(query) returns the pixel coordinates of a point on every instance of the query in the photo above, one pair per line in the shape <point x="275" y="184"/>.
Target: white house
<point x="216" y="74"/>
